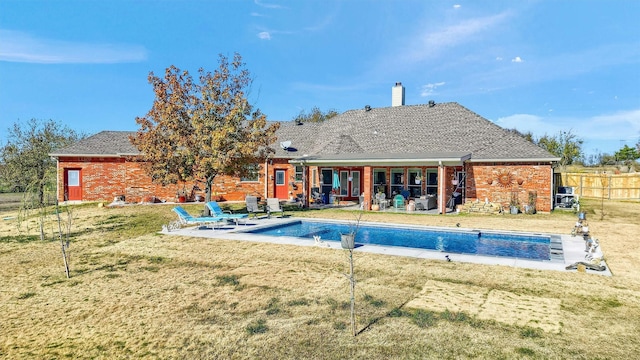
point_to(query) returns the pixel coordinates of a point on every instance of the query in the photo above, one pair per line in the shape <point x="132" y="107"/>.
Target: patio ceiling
<point x="399" y="159"/>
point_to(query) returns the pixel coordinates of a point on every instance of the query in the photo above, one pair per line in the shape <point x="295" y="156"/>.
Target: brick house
<point x="442" y="150"/>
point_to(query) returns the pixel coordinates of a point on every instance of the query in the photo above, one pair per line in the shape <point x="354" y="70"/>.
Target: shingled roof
<point x="444" y="128"/>
<point x="102" y="144"/>
<point x="436" y="131"/>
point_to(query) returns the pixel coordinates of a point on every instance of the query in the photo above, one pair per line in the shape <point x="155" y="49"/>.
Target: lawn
<point x="136" y="294"/>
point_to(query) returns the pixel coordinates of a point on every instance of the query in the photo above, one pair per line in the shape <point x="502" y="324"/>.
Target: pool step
<point x="555" y="248"/>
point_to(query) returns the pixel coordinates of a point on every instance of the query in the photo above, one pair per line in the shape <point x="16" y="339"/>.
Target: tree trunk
<point x="207" y="193"/>
<point x="352" y="283"/>
<point x="63" y="246"/>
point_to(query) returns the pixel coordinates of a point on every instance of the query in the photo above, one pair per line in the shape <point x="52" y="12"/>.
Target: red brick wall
<point x="103" y="179"/>
<point x="496" y="183"/>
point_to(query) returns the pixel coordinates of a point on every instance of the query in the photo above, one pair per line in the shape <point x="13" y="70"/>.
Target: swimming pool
<point x="491" y="243"/>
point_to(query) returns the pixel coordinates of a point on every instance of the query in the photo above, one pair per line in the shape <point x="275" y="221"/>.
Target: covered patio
<point x="366" y="178"/>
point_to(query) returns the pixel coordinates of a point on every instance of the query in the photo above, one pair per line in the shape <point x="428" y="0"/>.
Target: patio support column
<point x="305" y="186"/>
<point x="367" y="186"/>
<point x="442" y="189"/>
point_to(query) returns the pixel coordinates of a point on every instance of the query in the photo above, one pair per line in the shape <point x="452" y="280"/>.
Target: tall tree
<point x="627" y="154"/>
<point x="199" y="130"/>
<point x="26" y="155"/>
<point x="315" y="115"/>
<point x="527" y="135"/>
<point x="565" y="145"/>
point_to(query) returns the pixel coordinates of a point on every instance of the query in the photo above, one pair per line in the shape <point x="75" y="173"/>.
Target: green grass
<point x="257" y="327"/>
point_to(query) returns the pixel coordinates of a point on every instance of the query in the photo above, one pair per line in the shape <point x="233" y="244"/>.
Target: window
<point x="299" y="170"/>
<point x="380" y="180"/>
<point x="253" y="174"/>
<point x="73" y="178"/>
<point x="432" y="182"/>
<point x="397" y="181"/>
<point x="314" y="177"/>
<point x="344" y="183"/>
<point x="355" y="183"/>
<point x="280" y="177"/>
<point x="415" y="182"/>
<point x="460" y="187"/>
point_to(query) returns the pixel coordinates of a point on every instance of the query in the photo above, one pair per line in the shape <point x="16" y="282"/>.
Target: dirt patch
<point x="490" y="304"/>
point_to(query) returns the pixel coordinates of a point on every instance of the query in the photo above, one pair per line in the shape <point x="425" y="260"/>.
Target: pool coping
<point x="572" y="250"/>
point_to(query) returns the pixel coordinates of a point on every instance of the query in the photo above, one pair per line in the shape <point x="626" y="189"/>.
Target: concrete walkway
<point x="566" y="250"/>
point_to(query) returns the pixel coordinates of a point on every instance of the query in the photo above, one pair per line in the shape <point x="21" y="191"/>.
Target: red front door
<point x="280" y="183"/>
<point x="72" y="184"/>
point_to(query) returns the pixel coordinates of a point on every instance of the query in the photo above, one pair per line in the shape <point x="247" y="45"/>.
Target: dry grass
<point x="134" y="293"/>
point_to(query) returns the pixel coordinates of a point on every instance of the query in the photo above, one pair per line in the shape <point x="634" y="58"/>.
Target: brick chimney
<point x="397" y="95"/>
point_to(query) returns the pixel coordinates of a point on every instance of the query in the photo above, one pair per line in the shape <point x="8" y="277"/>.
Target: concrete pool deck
<point x="572" y="250"/>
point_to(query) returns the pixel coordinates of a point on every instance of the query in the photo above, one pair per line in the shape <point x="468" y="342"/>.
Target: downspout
<point x="551" y="192"/>
<point x="57" y="179"/>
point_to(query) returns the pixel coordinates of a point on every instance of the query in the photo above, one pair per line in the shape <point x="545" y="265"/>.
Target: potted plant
<point x="531" y="206"/>
<point x="181" y="194"/>
<point x="514" y="203"/>
<point x="375" y="205"/>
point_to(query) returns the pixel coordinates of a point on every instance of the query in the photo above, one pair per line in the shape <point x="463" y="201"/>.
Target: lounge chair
<point x="217" y="212"/>
<point x="273" y="206"/>
<point x="185" y="218"/>
<point x="253" y="207"/>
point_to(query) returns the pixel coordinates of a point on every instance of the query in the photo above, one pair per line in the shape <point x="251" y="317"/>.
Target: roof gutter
<point x="516" y="160"/>
<point x="409" y="161"/>
<point x="118" y="155"/>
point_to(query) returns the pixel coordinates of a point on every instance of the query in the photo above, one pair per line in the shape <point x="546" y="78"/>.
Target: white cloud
<point x="431" y="43"/>
<point x="499" y="58"/>
<point x="529" y="123"/>
<point x="16" y="46"/>
<point x="264" y="35"/>
<point x="517" y="59"/>
<point x="430" y="89"/>
<point x="622" y="125"/>
<point x="604" y="132"/>
<point x="268" y="6"/>
<point x="457" y="6"/>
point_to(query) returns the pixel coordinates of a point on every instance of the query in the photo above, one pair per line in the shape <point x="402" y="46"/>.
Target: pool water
<point x="492" y="243"/>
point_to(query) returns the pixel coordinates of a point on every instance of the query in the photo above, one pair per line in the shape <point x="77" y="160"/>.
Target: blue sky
<point x="539" y="66"/>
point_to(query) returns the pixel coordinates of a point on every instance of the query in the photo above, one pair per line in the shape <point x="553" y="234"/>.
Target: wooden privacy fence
<point x="599" y="185"/>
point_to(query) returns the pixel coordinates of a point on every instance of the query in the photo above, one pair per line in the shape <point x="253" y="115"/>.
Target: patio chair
<point x="218" y="212"/>
<point x="184" y="218"/>
<point x="398" y="202"/>
<point x="382" y="201"/>
<point x="317" y="197"/>
<point x="253" y="207"/>
<point x="273" y="206"/>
